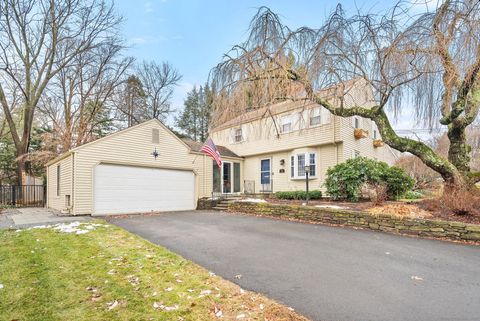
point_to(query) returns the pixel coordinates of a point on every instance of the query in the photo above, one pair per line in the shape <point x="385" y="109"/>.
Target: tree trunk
<point x="20" y="169"/>
<point x="459" y="150"/>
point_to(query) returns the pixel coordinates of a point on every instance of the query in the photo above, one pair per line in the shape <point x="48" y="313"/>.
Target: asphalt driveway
<point x="326" y="273"/>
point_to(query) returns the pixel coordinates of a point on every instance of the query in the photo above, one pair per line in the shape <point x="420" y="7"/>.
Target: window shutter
<point x="353" y="121"/>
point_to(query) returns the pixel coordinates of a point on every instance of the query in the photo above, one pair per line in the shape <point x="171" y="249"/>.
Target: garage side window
<point x="155" y="136"/>
<point x="58" y="180"/>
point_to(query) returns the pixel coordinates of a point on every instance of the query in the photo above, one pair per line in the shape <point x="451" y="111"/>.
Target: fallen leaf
<point x="168" y="289"/>
<point x="241" y="316"/>
<point x="262" y="306"/>
<point x="416" y="278"/>
<point x="112" y="305"/>
<point x="238" y="276"/>
<point x="216" y="310"/>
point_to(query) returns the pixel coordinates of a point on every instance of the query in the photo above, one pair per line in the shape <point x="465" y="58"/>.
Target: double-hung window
<point x="238" y="135"/>
<point x="313" y="165"/>
<point x="301" y="165"/>
<point x="286" y="123"/>
<point x="315" y="117"/>
<point x="298" y="162"/>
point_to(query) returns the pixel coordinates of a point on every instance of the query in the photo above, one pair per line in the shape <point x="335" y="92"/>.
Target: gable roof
<point x="197" y="146"/>
<point x="62" y="156"/>
<point x="287" y="105"/>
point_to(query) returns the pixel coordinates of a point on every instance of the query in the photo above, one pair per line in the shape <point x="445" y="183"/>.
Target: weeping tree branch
<point x="429" y="60"/>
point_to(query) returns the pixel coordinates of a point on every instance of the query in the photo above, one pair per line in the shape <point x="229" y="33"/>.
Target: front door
<point x="265" y="173"/>
<point x="227" y="178"/>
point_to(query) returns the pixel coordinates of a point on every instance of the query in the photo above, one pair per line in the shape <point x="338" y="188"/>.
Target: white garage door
<point x="128" y="189"/>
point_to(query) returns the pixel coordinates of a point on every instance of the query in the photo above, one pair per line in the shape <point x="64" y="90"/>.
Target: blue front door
<point x="265" y="172"/>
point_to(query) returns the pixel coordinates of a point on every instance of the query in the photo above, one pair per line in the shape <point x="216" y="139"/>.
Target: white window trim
<point x="353" y="122"/>
<point x="235" y="135"/>
<point x="282" y="123"/>
<point x="312" y="115"/>
<point x="295" y="167"/>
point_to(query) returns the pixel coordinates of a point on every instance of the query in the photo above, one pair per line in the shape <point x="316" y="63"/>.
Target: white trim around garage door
<point x="125" y="189"/>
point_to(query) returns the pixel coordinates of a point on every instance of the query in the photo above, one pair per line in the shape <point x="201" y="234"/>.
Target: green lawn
<point x="110" y="274"/>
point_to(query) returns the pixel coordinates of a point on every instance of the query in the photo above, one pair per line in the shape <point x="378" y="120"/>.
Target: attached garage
<point x="131" y="189"/>
<point x="144" y="168"/>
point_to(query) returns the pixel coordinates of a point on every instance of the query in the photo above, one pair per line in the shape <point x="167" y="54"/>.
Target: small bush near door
<point x="298" y="195"/>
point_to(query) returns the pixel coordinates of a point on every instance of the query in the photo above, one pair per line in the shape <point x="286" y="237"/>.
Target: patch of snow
<point x="1" y="286"/>
<point x="253" y="200"/>
<point x="336" y="207"/>
<point x="73" y="227"/>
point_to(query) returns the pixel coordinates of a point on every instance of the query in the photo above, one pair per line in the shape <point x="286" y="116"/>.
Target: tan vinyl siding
<point x="325" y="158"/>
<point x="364" y="145"/>
<point x="135" y="147"/>
<point x="58" y="201"/>
<point x="263" y="136"/>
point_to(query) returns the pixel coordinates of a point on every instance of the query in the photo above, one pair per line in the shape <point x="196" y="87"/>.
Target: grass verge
<point x="109" y="274"/>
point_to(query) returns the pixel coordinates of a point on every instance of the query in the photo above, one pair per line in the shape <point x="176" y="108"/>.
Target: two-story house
<point x="276" y="142"/>
<point x="147" y="167"/>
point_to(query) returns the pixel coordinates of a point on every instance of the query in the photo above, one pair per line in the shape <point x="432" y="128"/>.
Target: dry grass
<point x="110" y="274"/>
<point x="400" y="211"/>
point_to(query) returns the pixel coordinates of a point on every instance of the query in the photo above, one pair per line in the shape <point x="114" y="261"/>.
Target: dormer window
<point x="238" y="135"/>
<point x="286" y="123"/>
<point x="315" y="117"/>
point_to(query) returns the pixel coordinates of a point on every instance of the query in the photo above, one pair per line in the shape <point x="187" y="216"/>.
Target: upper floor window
<point x="238" y="135"/>
<point x="356" y="122"/>
<point x="375" y="135"/>
<point x="286" y="124"/>
<point x="298" y="162"/>
<point x="315" y="117"/>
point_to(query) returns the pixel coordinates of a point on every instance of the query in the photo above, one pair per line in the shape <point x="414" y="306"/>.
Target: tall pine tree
<point x="195" y="117"/>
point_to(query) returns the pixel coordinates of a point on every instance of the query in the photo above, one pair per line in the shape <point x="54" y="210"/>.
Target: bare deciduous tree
<point x="158" y="81"/>
<point x="147" y="93"/>
<point x="79" y="100"/>
<point x="38" y="38"/>
<point x="429" y="61"/>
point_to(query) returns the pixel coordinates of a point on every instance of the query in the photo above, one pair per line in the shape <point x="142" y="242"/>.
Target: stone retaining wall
<point x="206" y="203"/>
<point x="420" y="227"/>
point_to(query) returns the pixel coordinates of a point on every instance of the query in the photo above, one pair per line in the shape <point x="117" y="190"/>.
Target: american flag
<point x="210" y="149"/>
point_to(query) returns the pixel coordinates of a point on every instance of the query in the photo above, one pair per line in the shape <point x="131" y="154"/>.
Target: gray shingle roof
<point x="196" y="146"/>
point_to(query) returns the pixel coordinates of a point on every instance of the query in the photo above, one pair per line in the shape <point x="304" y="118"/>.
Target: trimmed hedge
<point x="299" y="195"/>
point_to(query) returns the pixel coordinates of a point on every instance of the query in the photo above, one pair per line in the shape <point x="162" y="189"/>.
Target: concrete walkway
<point x="31" y="216"/>
<point x="327" y="273"/>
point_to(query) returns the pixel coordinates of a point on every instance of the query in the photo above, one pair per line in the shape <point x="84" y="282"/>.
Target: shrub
<point x="345" y="180"/>
<point x="298" y="195"/>
<point x="462" y="201"/>
<point x="413" y="195"/>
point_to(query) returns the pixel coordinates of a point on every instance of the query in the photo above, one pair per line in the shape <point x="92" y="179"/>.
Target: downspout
<point x="72" y="192"/>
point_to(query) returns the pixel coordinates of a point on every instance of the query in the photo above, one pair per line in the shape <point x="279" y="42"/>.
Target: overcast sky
<point x="193" y="35"/>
